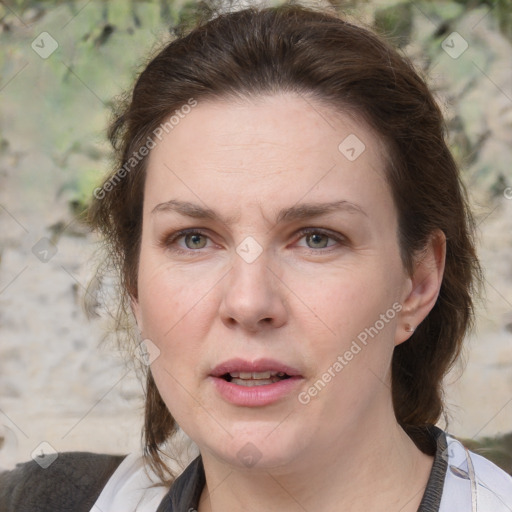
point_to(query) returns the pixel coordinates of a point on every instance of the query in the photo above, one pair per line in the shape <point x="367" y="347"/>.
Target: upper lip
<point x="260" y="365"/>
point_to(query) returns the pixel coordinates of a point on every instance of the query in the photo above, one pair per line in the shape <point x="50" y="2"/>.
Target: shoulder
<point x="474" y="481"/>
<point x="71" y="482"/>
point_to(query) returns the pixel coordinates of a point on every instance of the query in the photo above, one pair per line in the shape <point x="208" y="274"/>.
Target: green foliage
<point x="395" y="22"/>
<point x="103" y="43"/>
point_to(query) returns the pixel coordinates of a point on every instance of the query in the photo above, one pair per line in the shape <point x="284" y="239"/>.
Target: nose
<point x="254" y="297"/>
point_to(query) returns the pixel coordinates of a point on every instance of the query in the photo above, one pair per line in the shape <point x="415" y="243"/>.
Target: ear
<point x="423" y="286"/>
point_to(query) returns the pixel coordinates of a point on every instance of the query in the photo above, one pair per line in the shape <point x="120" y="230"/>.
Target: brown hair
<point x="291" y="48"/>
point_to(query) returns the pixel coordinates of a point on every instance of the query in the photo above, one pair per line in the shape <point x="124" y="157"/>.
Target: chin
<point x="260" y="448"/>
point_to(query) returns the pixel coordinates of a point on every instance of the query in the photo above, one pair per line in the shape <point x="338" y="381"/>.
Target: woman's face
<point x="291" y="266"/>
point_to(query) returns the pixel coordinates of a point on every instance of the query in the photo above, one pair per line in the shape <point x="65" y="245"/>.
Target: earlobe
<point x="409" y="328"/>
<point x="424" y="286"/>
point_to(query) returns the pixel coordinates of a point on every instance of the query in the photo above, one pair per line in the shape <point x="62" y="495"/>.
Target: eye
<point x="319" y="239"/>
<point x="193" y="239"/>
<point x="196" y="240"/>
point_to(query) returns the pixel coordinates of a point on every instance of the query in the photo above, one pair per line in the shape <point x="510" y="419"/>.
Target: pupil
<point x="317" y="239"/>
<point x="195" y="240"/>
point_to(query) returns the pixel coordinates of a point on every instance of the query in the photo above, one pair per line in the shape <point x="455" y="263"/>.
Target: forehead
<point x="267" y="149"/>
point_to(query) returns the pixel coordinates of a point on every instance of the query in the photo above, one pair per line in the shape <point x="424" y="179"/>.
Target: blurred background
<point x="62" y="387"/>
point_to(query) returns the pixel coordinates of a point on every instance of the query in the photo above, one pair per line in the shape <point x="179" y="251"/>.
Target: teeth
<point x="256" y="375"/>
<point x="254" y="382"/>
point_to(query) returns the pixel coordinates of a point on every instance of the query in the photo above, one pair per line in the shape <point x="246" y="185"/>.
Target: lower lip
<point x="254" y="396"/>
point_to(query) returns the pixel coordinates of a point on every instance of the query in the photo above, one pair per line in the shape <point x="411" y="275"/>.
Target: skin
<point x="302" y="301"/>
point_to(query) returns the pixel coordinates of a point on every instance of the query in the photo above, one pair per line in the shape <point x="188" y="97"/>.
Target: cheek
<point x="172" y="323"/>
<point x="345" y="320"/>
<point x="344" y="301"/>
<point x="170" y="297"/>
<point x="175" y="314"/>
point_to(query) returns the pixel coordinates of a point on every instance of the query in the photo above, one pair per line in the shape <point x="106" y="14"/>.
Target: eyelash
<point x="168" y="241"/>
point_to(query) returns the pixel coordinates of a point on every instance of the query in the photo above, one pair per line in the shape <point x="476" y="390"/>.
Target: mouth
<point x="259" y="372"/>
<point x="256" y="383"/>
<point x="249" y="379"/>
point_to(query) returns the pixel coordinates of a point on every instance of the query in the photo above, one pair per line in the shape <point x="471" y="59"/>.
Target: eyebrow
<point x="293" y="213"/>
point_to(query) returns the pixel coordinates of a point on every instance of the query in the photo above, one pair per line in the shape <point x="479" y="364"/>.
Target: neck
<point x="372" y="467"/>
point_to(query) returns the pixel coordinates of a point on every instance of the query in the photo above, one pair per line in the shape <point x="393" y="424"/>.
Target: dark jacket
<point x="71" y="483"/>
<point x="74" y="481"/>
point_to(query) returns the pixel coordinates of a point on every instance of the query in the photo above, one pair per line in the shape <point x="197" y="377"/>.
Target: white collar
<point x="473" y="483"/>
<point x="129" y="488"/>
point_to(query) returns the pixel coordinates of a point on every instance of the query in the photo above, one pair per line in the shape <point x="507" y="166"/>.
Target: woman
<point x="295" y="245"/>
